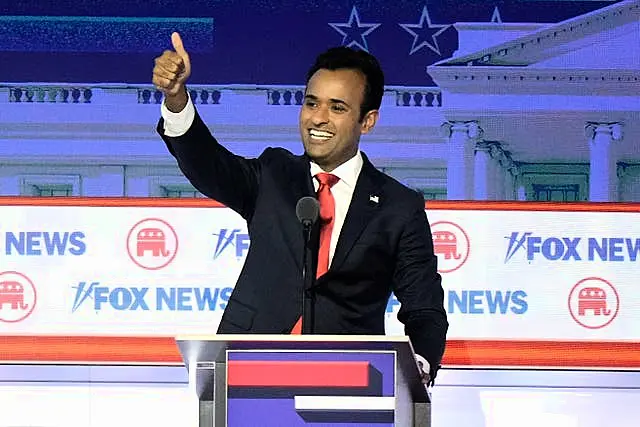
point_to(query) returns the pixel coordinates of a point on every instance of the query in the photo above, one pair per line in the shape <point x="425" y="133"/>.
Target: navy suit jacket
<point x="384" y="247"/>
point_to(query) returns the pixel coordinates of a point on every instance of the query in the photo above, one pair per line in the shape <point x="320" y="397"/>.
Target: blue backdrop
<point x="243" y="41"/>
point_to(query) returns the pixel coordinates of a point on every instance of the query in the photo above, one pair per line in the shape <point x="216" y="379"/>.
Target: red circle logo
<point x="450" y="244"/>
<point x="152" y="244"/>
<point x="593" y="303"/>
<point x="17" y="296"/>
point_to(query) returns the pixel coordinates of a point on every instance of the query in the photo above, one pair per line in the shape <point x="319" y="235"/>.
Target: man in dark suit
<point x="372" y="238"/>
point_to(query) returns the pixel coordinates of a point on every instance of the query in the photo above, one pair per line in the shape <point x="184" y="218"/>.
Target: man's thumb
<point x="176" y="41"/>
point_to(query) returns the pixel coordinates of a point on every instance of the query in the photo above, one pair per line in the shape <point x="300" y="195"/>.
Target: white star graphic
<point x="430" y="31"/>
<point x="353" y="34"/>
<point x="496" y="18"/>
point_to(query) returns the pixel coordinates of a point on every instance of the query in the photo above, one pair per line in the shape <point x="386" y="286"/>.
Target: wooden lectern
<point x="299" y="380"/>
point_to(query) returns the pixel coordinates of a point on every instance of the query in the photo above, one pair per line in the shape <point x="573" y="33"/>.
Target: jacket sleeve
<point x="418" y="287"/>
<point x="213" y="170"/>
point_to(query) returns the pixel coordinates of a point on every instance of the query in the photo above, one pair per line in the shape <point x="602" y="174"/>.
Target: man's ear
<point x="369" y="121"/>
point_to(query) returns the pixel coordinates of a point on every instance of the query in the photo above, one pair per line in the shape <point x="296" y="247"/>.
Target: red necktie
<point x="327" y="212"/>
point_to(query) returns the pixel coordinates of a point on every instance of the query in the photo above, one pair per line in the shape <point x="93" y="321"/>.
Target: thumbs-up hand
<point x="171" y="71"/>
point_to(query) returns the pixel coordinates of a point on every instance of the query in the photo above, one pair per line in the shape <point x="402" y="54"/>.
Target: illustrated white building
<point x="561" y="99"/>
<point x="520" y="112"/>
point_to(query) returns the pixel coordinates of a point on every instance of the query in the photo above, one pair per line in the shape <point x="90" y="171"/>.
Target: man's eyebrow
<point x="338" y="101"/>
<point x="332" y="100"/>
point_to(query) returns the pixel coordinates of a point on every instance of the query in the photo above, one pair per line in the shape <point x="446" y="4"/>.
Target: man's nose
<point x="320" y="115"/>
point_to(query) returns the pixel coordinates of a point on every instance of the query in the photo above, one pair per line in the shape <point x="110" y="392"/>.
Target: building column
<point x="483" y="172"/>
<point x="519" y="190"/>
<point x="500" y="160"/>
<point x="621" y="173"/>
<point x="510" y="172"/>
<point x="491" y="171"/>
<point x="460" y="164"/>
<point x="603" y="180"/>
<point x="510" y="181"/>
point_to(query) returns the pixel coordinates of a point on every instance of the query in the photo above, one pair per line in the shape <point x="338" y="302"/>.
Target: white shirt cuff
<point x="177" y="124"/>
<point x="426" y="367"/>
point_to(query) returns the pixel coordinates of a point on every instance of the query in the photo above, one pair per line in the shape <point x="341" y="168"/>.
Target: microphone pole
<point x="307" y="211"/>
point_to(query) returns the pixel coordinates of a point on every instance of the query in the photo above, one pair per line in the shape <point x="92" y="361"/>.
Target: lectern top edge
<point x="210" y="348"/>
<point x="283" y="338"/>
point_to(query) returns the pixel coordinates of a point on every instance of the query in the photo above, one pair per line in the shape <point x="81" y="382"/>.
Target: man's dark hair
<point x="338" y="58"/>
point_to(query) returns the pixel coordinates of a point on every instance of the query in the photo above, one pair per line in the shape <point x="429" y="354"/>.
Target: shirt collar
<point x="347" y="172"/>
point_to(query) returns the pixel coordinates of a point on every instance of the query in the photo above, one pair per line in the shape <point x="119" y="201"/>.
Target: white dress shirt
<point x="177" y="124"/>
<point x="342" y="192"/>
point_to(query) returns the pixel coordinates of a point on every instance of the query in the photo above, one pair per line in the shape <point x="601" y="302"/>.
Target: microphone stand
<point x="307" y="210"/>
<point x="308" y="297"/>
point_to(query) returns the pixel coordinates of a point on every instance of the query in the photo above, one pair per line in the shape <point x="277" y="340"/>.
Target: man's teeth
<point x="318" y="134"/>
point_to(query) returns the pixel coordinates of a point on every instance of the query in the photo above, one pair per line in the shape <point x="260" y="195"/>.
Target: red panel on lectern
<point x="249" y="373"/>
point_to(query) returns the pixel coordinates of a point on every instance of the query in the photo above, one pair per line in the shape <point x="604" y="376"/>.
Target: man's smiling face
<point x="330" y="124"/>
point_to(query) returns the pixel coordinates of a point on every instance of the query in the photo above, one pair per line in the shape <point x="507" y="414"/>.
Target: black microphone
<point x="307" y="211"/>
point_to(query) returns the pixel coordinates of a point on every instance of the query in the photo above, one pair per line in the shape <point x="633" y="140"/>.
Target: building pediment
<point x="605" y="38"/>
<point x="616" y="48"/>
<point x="600" y="49"/>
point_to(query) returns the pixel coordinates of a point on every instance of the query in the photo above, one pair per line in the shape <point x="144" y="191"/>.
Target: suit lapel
<point x="301" y="185"/>
<point x="366" y="201"/>
<point x="301" y="179"/>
